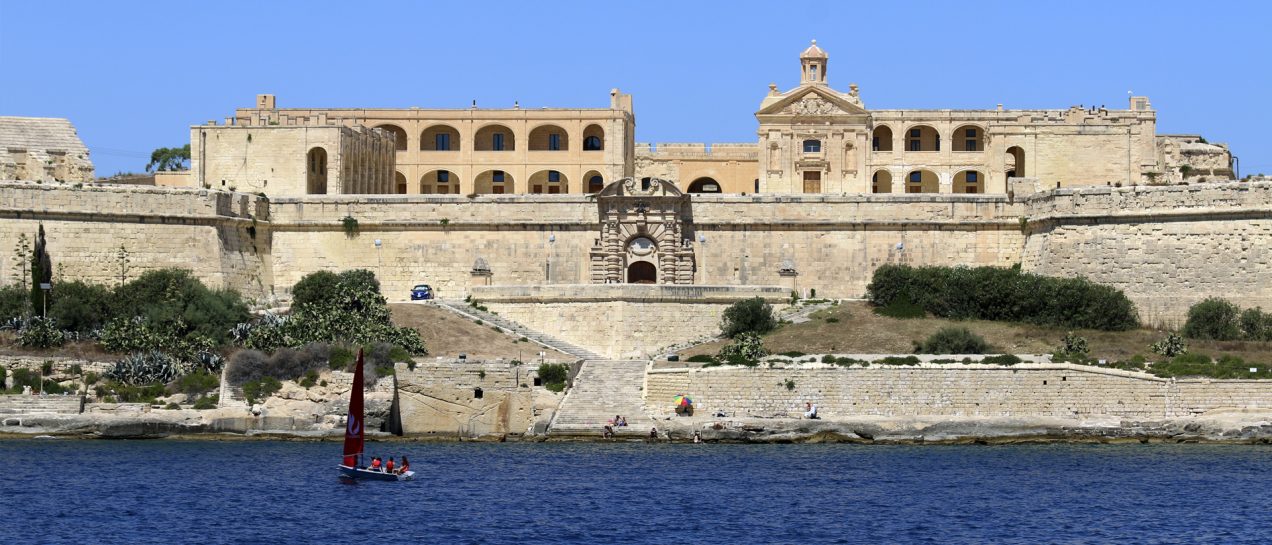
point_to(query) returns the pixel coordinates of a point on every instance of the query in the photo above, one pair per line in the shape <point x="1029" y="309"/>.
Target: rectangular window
<point x="553" y="189"/>
<point x="914" y="133"/>
<point x="971" y="177"/>
<point x="916" y="177"/>
<point x="970" y="145"/>
<point x="914" y="145"/>
<point x="537" y="189"/>
<point x="875" y="143"/>
<point x="443" y="177"/>
<point x="498" y="190"/>
<point x="443" y="142"/>
<point x="812" y="146"/>
<point x="554" y="142"/>
<point x="497" y="176"/>
<point x="441" y="190"/>
<point x="938" y="144"/>
<point x="497" y="141"/>
<point x="971" y="133"/>
<point x="554" y="176"/>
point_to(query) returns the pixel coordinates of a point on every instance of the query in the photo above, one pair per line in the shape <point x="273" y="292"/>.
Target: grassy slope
<point x="448" y="334"/>
<point x="861" y="331"/>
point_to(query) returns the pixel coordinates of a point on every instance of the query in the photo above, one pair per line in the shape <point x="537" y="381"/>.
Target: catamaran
<point x="355" y="425"/>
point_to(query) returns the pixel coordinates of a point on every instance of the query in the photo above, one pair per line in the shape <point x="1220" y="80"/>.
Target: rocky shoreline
<point x="1237" y="427"/>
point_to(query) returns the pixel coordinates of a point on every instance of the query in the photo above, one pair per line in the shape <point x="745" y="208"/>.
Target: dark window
<point x="592" y="143"/>
<point x="812" y="146"/>
<point x="497" y="141"/>
<point x="938" y="143"/>
<point x="595" y="184"/>
<point x="914" y="145"/>
<point x="970" y="145"/>
<point x="443" y="176"/>
<point x="443" y="142"/>
<point x="916" y="177"/>
<point x="971" y="177"/>
<point x="971" y="133"/>
<point x="554" y="176"/>
<point x="875" y="143"/>
<point x="477" y="393"/>
<point x="497" y="176"/>
<point x="554" y="142"/>
<point x="914" y="133"/>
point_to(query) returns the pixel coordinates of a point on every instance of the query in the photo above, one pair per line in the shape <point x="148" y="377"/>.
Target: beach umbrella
<point x="682" y="401"/>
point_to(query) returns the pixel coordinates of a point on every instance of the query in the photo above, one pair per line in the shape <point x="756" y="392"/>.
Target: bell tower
<point x="813" y="65"/>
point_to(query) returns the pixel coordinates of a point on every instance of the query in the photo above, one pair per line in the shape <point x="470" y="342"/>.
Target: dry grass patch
<point x="447" y="334"/>
<point x="858" y="330"/>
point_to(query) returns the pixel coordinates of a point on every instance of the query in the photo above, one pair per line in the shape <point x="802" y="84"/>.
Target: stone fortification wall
<point x="1167" y="247"/>
<point x="621" y="320"/>
<point x="222" y="237"/>
<point x="836" y="242"/>
<point x="1053" y="390"/>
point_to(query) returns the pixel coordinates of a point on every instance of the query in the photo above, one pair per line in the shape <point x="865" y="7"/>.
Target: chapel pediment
<point x="813" y="101"/>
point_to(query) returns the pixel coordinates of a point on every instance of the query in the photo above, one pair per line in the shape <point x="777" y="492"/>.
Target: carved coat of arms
<point x="811" y="106"/>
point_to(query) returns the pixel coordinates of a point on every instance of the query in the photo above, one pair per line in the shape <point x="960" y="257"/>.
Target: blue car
<point x="422" y="291"/>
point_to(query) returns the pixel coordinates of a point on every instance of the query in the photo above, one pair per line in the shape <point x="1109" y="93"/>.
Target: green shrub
<point x="309" y="380"/>
<point x="900" y="308"/>
<point x="1200" y="365"/>
<point x="832" y="320"/>
<point x="173" y="302"/>
<point x="994" y="293"/>
<point x="78" y="306"/>
<point x="198" y="383"/>
<point x="14" y="303"/>
<point x="347" y="310"/>
<point x="145" y="368"/>
<point x="748" y="316"/>
<point x="952" y="340"/>
<point x="828" y="359"/>
<point x="41" y="332"/>
<point x="1173" y="345"/>
<point x="553" y="376"/>
<point x="847" y="362"/>
<point x="341" y="358"/>
<point x="1214" y="319"/>
<point x="130" y="393"/>
<point x="172" y="405"/>
<point x="746" y="347"/>
<point x="898" y="360"/>
<point x="1001" y="359"/>
<point x="700" y="358"/>
<point x="46" y="368"/>
<point x="314" y="288"/>
<point x="1256" y="325"/>
<point x="793" y="354"/>
<point x="25" y="377"/>
<point x="284" y="364"/>
<point x="258" y="390"/>
<point x="790" y="384"/>
<point x="207" y="402"/>
<point x="1073" y="344"/>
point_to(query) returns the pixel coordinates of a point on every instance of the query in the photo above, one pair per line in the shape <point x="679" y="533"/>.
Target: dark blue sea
<point x="61" y="491"/>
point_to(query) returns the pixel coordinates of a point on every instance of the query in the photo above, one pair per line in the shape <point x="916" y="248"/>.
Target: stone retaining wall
<point x="1050" y="390"/>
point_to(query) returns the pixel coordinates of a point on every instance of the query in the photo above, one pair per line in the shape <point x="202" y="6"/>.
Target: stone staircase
<point x="602" y="390"/>
<point x="36" y="404"/>
<point x="508" y="326"/>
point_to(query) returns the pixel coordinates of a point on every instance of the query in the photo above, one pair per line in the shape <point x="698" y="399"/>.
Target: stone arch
<point x="440" y="137"/>
<point x="922" y="181"/>
<point x="1015" y="165"/>
<point x="316" y="171"/>
<point x="922" y="138"/>
<point x="595" y="182"/>
<point x="704" y="185"/>
<point x="399" y="183"/>
<point x="881" y="182"/>
<point x="969" y="181"/>
<point x="593" y="138"/>
<point x="642" y="272"/>
<point x="881" y="138"/>
<point x="968" y="138"/>
<point x="399" y="135"/>
<point x="441" y="182"/>
<point x="495" y="137"/>
<point x="548" y="181"/>
<point x="549" y="138"/>
<point x="494" y="182"/>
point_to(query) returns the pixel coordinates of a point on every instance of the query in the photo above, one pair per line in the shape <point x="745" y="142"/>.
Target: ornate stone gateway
<point x="646" y="234"/>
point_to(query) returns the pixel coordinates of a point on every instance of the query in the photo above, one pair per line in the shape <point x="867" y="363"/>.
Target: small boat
<point x="355" y="434"/>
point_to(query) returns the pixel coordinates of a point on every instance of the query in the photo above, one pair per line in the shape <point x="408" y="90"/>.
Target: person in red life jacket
<point x="375" y="464"/>
<point x="389" y="466"/>
<point x="406" y="465"/>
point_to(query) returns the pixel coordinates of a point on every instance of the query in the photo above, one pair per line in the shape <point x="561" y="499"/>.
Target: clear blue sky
<point x="133" y="76"/>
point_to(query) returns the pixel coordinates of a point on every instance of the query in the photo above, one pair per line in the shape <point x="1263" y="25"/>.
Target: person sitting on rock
<point x="622" y="421"/>
<point x="810" y="411"/>
<point x="608" y="433"/>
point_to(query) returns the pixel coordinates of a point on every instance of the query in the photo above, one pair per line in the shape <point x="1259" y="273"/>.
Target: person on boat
<point x="406" y="465"/>
<point x="389" y="466"/>
<point x="375" y="464"/>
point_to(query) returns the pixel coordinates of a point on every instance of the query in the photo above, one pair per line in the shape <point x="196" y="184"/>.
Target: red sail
<point x="354" y="427"/>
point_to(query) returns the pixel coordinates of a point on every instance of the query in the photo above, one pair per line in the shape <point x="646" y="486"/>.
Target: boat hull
<point x="368" y="475"/>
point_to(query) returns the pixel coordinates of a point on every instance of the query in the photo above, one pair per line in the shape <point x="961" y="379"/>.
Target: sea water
<point x="64" y="491"/>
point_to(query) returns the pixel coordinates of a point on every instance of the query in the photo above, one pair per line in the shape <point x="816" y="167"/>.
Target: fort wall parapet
<point x="953" y="390"/>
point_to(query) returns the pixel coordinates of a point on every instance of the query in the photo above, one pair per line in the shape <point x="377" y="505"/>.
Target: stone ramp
<point x="602" y="390"/>
<point x="468" y="311"/>
<point x="36" y="404"/>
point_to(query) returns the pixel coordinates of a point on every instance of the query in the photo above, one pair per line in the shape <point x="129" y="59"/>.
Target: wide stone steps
<point x="36" y="404"/>
<point x="602" y="390"/>
<point x="542" y="339"/>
